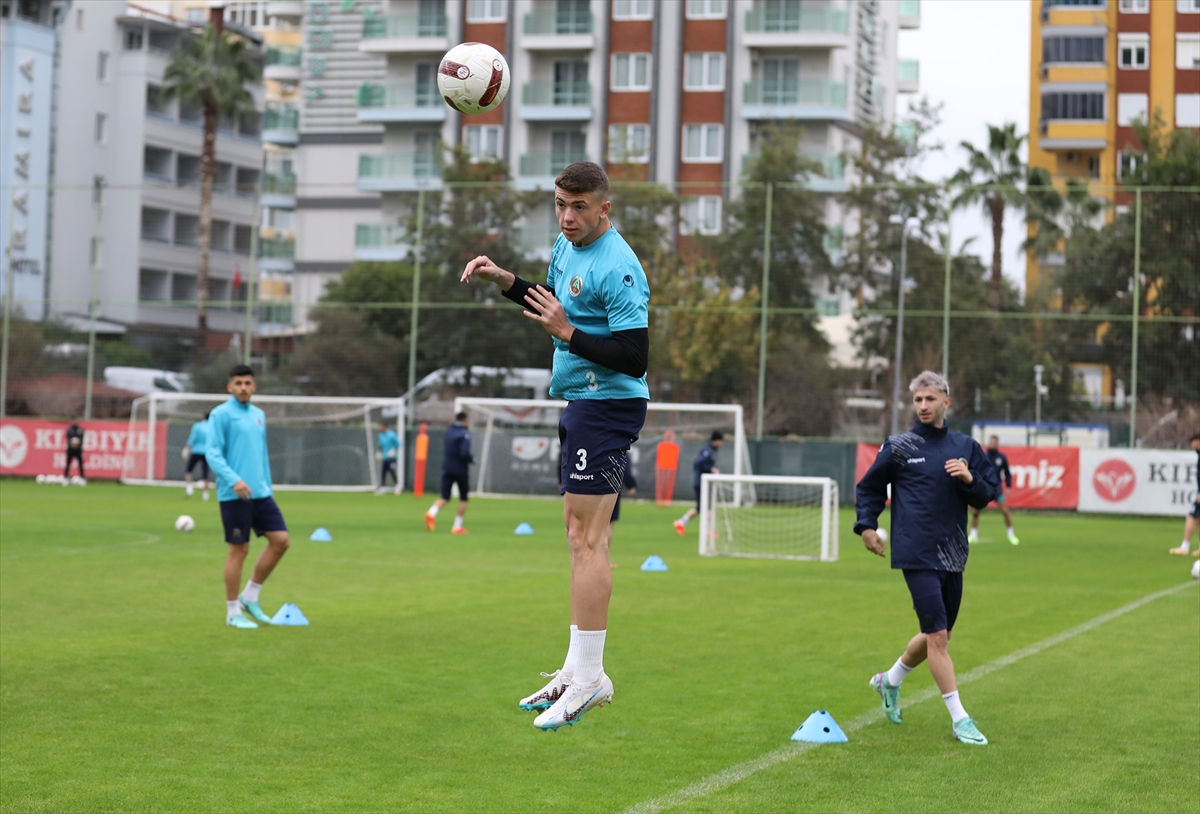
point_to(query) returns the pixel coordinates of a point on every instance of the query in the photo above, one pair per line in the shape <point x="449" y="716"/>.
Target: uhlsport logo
<point x="576" y="286"/>
<point x="1114" y="480"/>
<point x="14" y="446"/>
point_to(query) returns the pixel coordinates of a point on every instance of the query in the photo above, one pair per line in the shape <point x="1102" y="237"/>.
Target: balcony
<point x="400" y="103"/>
<point x="292" y="9"/>
<point x="380" y="243"/>
<point x="794" y="25"/>
<point x="283" y="63"/>
<point x="908" y="75"/>
<point x="281" y="125"/>
<point x="556" y="101"/>
<point x="279" y="190"/>
<point x="538" y="170"/>
<point x="797" y="99"/>
<point x="558" y="30"/>
<point x="833" y="164"/>
<point x="400" y="172"/>
<point x="910" y="13"/>
<point x="276" y="254"/>
<point x="405" y="33"/>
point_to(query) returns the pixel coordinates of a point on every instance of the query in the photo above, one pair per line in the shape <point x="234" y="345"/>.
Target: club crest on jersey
<point x="576" y="286"/>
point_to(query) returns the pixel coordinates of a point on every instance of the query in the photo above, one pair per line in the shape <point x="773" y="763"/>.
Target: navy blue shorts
<point x="936" y="597"/>
<point x="241" y="516"/>
<point x="1195" y="512"/>
<point x="450" y="480"/>
<point x="596" y="435"/>
<point x="194" y="459"/>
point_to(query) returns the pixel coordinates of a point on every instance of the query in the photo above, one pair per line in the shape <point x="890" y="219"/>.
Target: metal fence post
<point x="946" y="306"/>
<point x="416" y="296"/>
<point x="8" y="297"/>
<point x="251" y="273"/>
<point x="92" y="303"/>
<point x="762" y="325"/>
<point x="1137" y="297"/>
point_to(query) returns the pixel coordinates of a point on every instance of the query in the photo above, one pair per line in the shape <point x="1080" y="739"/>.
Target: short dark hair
<point x="460" y="416"/>
<point x="990" y="437"/>
<point x="582" y="177"/>
<point x="1195" y="437"/>
<point x="241" y="370"/>
<point x="206" y="414"/>
<point x="717" y="435"/>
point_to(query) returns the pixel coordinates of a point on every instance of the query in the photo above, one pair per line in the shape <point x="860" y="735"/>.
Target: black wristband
<point x="518" y="291"/>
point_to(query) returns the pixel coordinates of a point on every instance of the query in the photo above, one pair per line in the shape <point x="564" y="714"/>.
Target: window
<point x="102" y="66"/>
<point x="1073" y="105"/>
<point x="483" y="143"/>
<point x="1132" y="106"/>
<point x="706" y="9"/>
<point x="781" y="82"/>
<point x="156" y="225"/>
<point x="701" y="215"/>
<point x="629" y="143"/>
<point x="631" y="72"/>
<point x="704" y="71"/>
<point x="187" y="230"/>
<point x="156" y="106"/>
<point x="1187" y="52"/>
<point x="281" y="220"/>
<point x="1073" y="49"/>
<point x="1135" y="6"/>
<point x="702" y="143"/>
<point x="133" y="39"/>
<point x="1085" y="3"/>
<point x="196" y="15"/>
<point x="883" y="39"/>
<point x="1093" y="166"/>
<point x="486" y="11"/>
<point x="101" y="128"/>
<point x="1187" y="6"/>
<point x="1132" y="50"/>
<point x="153" y="285"/>
<point x="1187" y="110"/>
<point x="631" y="9"/>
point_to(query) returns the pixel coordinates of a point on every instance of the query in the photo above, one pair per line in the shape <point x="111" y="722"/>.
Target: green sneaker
<point x="1012" y="538"/>
<point x="890" y="696"/>
<point x="966" y="731"/>
<point x="255" y="610"/>
<point x="240" y="621"/>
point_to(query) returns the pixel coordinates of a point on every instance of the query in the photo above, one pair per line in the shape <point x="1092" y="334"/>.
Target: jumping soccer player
<point x="706" y="462"/>
<point x="75" y="435"/>
<point x="237" y="453"/>
<point x="456" y="463"/>
<point x="595" y="305"/>
<point x="389" y="450"/>
<point x="1000" y="463"/>
<point x="194" y="451"/>
<point x="934" y="474"/>
<point x="1193" y="517"/>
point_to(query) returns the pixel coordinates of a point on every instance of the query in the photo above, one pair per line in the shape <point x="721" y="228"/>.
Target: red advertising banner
<point x="1043" y="477"/>
<point x="31" y="446"/>
<point x="864" y="456"/>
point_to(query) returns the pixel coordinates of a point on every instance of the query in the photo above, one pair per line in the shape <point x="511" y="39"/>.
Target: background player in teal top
<point x="194" y="452"/>
<point x="595" y="305"/>
<point x="389" y="452"/>
<point x="237" y="453"/>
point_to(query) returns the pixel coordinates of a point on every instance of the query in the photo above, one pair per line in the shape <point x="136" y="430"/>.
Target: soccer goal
<point x="516" y="446"/>
<point x="316" y="443"/>
<point x="769" y="516"/>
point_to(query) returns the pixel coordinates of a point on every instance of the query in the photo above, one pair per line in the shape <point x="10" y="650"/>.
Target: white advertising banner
<point x="1137" y="481"/>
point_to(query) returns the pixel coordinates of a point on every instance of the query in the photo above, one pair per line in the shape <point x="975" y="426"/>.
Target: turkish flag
<point x="237" y="276"/>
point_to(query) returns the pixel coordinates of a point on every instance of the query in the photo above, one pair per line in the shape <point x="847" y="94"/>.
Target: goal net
<point x="316" y="443"/>
<point x="516" y="446"/>
<point x="776" y="517"/>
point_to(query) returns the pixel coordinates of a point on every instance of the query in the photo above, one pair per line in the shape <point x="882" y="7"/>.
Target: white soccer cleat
<point x="575" y="702"/>
<point x="546" y="696"/>
<point x="973" y="536"/>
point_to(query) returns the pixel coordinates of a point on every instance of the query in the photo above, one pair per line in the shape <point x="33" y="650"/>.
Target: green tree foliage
<point x="348" y="355"/>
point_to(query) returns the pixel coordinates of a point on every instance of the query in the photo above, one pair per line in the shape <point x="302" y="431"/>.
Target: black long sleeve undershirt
<point x="626" y="352"/>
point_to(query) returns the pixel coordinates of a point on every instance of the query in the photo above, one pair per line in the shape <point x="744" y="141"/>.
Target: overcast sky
<point x="975" y="60"/>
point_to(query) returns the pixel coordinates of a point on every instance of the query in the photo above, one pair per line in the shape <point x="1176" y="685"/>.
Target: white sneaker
<point x="574" y="703"/>
<point x="973" y="536"/>
<point x="206" y="495"/>
<point x="546" y="696"/>
<point x="187" y="490"/>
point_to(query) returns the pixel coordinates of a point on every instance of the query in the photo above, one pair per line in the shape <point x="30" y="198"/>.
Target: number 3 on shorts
<point x="582" y="465"/>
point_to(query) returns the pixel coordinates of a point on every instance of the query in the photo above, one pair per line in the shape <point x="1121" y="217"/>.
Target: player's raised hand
<point x="873" y="542"/>
<point x="549" y="312"/>
<point x="483" y="268"/>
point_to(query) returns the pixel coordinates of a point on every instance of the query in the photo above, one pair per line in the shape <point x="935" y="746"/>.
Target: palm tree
<point x="991" y="177"/>
<point x="210" y="71"/>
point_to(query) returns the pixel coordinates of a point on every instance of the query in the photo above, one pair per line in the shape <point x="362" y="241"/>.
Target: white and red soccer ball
<point x="473" y="78"/>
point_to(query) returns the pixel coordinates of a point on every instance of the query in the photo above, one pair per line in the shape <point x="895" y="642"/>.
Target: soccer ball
<point x="184" y="523"/>
<point x="40" y="479"/>
<point x="1196" y="570"/>
<point x="473" y="78"/>
<point x="882" y="534"/>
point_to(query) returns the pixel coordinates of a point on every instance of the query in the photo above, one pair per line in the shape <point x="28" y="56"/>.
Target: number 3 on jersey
<point x="592" y="385"/>
<point x="582" y="464"/>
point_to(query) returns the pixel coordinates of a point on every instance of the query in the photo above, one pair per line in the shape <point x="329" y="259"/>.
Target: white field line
<point x="740" y="771"/>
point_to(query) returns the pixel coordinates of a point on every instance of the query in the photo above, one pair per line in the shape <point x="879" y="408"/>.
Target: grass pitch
<point x="121" y="689"/>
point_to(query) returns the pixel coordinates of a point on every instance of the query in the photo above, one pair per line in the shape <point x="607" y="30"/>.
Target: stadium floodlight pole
<point x="92" y="302"/>
<point x="8" y="296"/>
<point x="416" y="297"/>
<point x="762" y="325"/>
<point x="1137" y="296"/>
<point x="251" y="273"/>
<point x="903" y="220"/>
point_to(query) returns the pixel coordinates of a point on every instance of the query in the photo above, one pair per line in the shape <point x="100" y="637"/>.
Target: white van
<point x="144" y="380"/>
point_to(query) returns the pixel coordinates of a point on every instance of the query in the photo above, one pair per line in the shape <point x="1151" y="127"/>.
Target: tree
<point x="211" y="71"/>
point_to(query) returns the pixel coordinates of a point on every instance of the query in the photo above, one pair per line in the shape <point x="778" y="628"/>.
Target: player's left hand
<point x="549" y="313"/>
<point x="958" y="468"/>
<point x="874" y="543"/>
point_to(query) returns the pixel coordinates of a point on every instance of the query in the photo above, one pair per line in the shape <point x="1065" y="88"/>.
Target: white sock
<point x="189" y="490"/>
<point x="957" y="713"/>
<point x="591" y="658"/>
<point x="458" y="521"/>
<point x="898" y="673"/>
<point x="232" y="609"/>
<point x="572" y="660"/>
<point x="251" y="592"/>
<point x="1186" y="545"/>
<point x="433" y="510"/>
<point x="1010" y="531"/>
<point x="685" y="519"/>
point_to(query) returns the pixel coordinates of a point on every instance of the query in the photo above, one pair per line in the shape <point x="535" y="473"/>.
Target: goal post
<point x="315" y="443"/>
<point x="769" y="516"/>
<point x="516" y="446"/>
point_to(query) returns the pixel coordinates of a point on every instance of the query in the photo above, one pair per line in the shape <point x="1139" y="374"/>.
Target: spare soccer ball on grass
<point x="1196" y="570"/>
<point x="473" y="78"/>
<point x="184" y="523"/>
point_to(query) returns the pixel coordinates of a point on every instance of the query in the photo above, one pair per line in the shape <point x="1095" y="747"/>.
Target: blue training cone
<point x="524" y="528"/>
<point x="820" y="728"/>
<point x="289" y="614"/>
<point x="654" y="563"/>
<point x="321" y="535"/>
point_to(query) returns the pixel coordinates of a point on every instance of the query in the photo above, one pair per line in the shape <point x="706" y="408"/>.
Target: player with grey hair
<point x="934" y="474"/>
